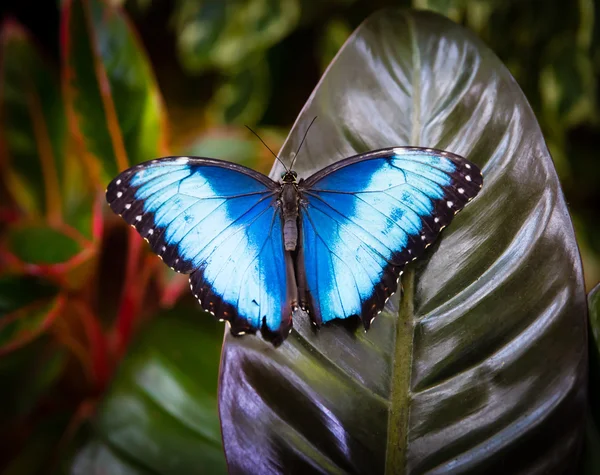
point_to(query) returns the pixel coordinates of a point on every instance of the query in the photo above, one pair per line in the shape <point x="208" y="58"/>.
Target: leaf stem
<point x="400" y="393"/>
<point x="129" y="306"/>
<point x="400" y="397"/>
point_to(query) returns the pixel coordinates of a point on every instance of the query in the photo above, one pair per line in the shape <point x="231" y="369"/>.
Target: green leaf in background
<point x="452" y="9"/>
<point x="567" y="83"/>
<point x="214" y="33"/>
<point x="160" y="414"/>
<point x="591" y="453"/>
<point x="28" y="306"/>
<point x="481" y="367"/>
<point x="335" y="34"/>
<point x="59" y="254"/>
<point x="243" y="96"/>
<point x="226" y="145"/>
<point x="43" y="245"/>
<point x="238" y="145"/>
<point x="111" y="89"/>
<point x="17" y="291"/>
<point x="32" y="124"/>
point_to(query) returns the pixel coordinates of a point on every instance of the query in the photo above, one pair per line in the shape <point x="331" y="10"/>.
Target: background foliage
<point x="88" y="87"/>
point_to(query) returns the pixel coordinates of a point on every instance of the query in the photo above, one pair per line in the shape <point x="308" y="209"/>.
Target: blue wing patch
<point x="364" y="218"/>
<point x="220" y="223"/>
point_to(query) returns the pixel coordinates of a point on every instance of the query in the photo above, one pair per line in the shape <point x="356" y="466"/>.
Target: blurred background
<point x="88" y="87"/>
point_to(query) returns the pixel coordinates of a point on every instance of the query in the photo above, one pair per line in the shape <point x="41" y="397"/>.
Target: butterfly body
<point x="333" y="244"/>
<point x="289" y="200"/>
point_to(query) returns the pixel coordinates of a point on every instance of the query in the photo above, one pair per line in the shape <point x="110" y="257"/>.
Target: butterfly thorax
<point x="289" y="207"/>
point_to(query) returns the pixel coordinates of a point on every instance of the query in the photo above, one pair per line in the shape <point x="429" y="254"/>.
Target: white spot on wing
<point x="138" y="217"/>
<point x="449" y="203"/>
<point x="118" y="182"/>
<point x="119" y="194"/>
<point x="461" y="190"/>
<point x="468" y="166"/>
<point x="468" y="177"/>
<point x="150" y="231"/>
<point x="128" y="205"/>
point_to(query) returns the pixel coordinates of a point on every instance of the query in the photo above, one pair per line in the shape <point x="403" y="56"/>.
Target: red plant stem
<point x="101" y="369"/>
<point x="129" y="307"/>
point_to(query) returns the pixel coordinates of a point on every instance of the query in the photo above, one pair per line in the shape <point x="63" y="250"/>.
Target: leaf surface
<point x="115" y="103"/>
<point x="160" y="415"/>
<point x="481" y="367"/>
<point x="33" y="125"/>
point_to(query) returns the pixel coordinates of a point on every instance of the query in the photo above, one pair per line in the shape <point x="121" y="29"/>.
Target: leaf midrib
<point x="399" y="408"/>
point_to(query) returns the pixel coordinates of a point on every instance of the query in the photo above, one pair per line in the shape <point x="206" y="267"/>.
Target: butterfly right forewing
<point x="364" y="218"/>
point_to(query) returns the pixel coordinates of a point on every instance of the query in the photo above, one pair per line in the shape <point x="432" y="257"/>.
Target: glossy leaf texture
<point x="160" y="414"/>
<point x="33" y="126"/>
<point x="114" y="102"/>
<point x="481" y="367"/>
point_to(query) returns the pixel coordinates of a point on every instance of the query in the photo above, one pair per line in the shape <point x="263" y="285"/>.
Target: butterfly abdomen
<point x="289" y="204"/>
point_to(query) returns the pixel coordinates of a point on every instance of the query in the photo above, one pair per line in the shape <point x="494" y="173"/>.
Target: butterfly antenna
<point x="263" y="142"/>
<point x="303" y="139"/>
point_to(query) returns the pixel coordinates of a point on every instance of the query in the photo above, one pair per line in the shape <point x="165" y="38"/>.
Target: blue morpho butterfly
<point x="333" y="245"/>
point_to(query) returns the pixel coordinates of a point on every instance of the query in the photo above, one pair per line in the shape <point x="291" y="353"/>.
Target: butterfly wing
<point x="219" y="222"/>
<point x="364" y="218"/>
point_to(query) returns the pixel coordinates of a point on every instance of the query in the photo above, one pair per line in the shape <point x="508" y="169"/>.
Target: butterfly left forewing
<point x="364" y="218"/>
<point x="219" y="222"/>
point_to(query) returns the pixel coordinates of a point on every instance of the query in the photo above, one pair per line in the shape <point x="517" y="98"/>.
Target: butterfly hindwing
<point x="364" y="218"/>
<point x="219" y="222"/>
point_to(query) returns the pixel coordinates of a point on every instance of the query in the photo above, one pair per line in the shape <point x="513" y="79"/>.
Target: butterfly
<point x="332" y="245"/>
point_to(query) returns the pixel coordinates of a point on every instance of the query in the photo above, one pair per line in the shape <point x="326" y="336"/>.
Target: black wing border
<point x="199" y="161"/>
<point x="382" y="153"/>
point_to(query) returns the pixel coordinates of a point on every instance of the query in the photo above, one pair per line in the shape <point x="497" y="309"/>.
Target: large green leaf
<point x="32" y="125"/>
<point x="111" y="89"/>
<point x="160" y="414"/>
<point x="481" y="366"/>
